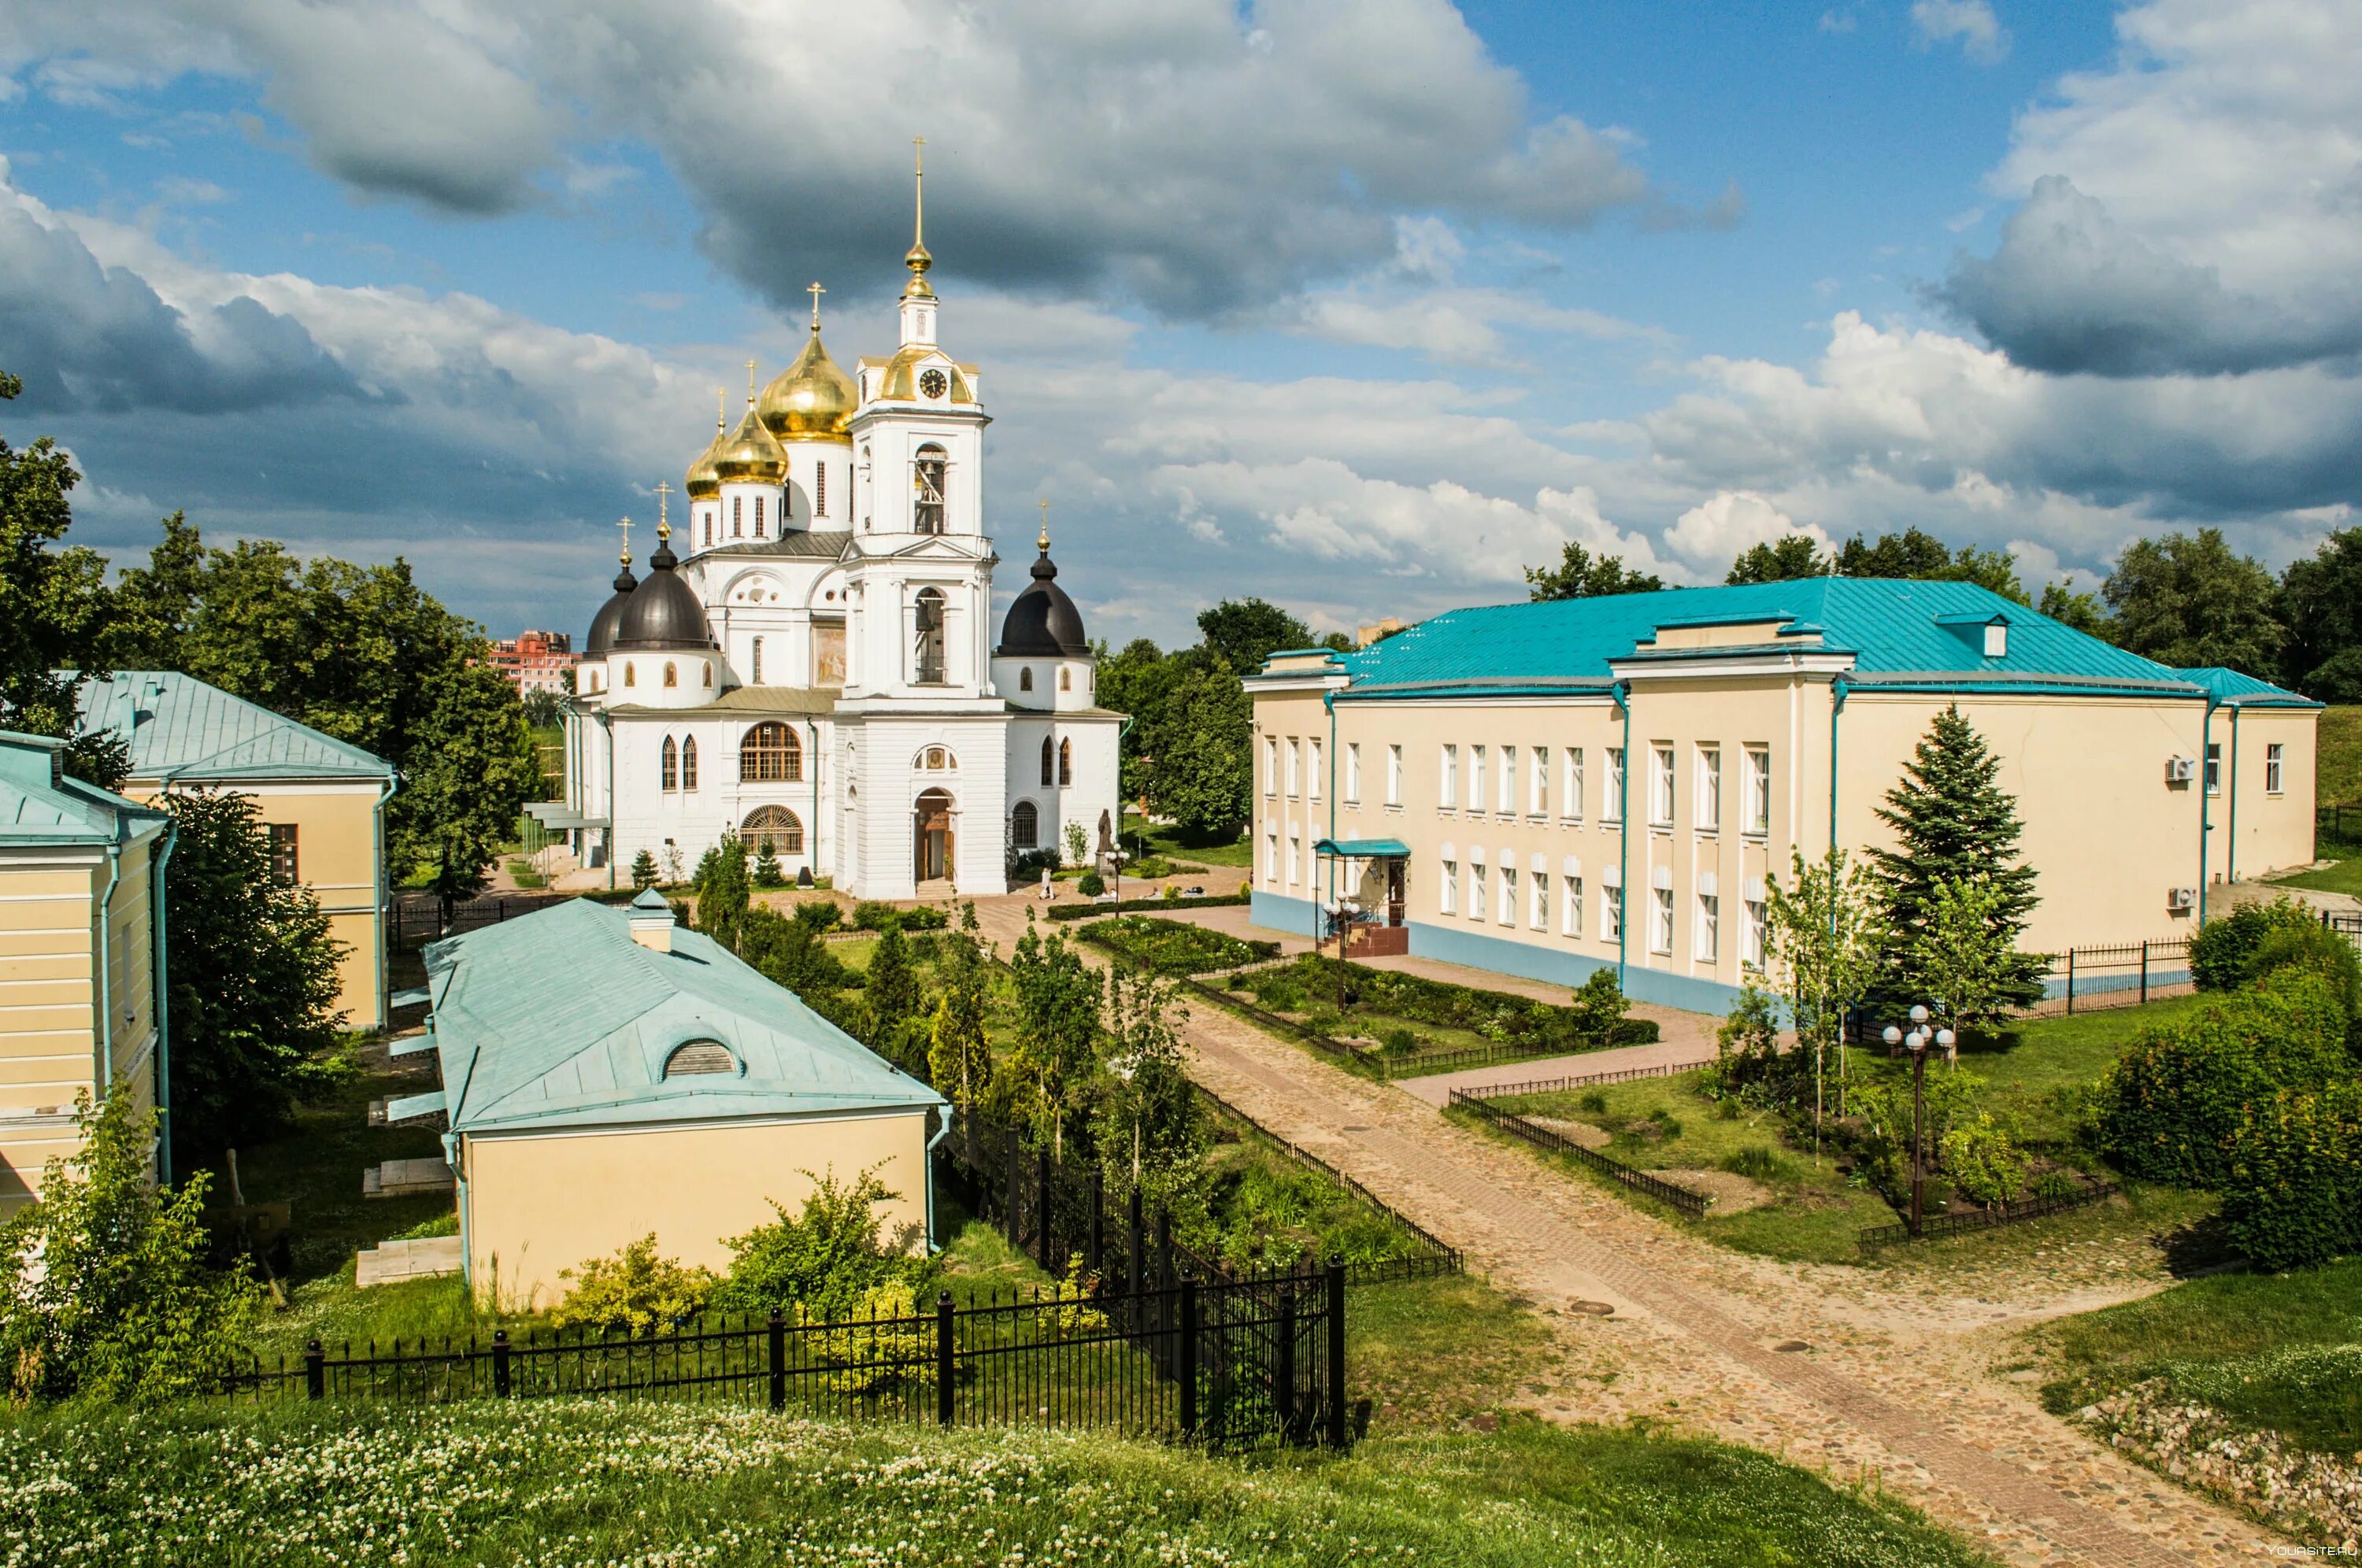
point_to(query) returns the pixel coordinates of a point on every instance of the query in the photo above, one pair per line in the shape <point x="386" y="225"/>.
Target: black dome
<point x="663" y="613"/>
<point x="1043" y="621"/>
<point x="603" y="625"/>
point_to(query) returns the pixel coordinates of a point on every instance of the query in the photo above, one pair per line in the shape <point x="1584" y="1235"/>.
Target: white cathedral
<point x="814" y="672"/>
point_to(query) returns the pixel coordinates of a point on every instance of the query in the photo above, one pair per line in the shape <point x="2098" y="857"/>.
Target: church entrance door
<point x="933" y="825"/>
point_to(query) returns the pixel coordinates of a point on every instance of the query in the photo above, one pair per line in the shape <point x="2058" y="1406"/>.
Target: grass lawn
<point x="1173" y="844"/>
<point x="2337" y="766"/>
<point x="568" y="1482"/>
<point x="2343" y="877"/>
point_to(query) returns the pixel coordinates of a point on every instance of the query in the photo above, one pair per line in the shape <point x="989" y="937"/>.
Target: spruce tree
<point x="643" y="870"/>
<point x="893" y="998"/>
<point x="1956" y="825"/>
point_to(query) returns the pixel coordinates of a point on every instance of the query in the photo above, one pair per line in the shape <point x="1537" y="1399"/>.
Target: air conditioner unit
<point x="2181" y="899"/>
<point x="2180" y="770"/>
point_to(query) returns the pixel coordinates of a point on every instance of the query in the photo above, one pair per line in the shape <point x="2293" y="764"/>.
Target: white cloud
<point x="1452" y="325"/>
<point x="1719" y="529"/>
<point x="1969" y="22"/>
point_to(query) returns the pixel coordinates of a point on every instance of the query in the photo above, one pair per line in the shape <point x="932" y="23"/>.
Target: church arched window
<point x="759" y="661"/>
<point x="758" y="517"/>
<point x="709" y="675"/>
<point x="1066" y="677"/>
<point x="1024" y="826"/>
<point x="927" y="639"/>
<point x="671" y="764"/>
<point x="709" y="527"/>
<point x="928" y="480"/>
<point x="773" y="827"/>
<point x="1066" y="762"/>
<point x="1025" y="678"/>
<point x="631" y="673"/>
<point x="1049" y="765"/>
<point x="820" y="490"/>
<point x="672" y="674"/>
<point x="738" y="515"/>
<point x="770" y="754"/>
<point x="689" y="763"/>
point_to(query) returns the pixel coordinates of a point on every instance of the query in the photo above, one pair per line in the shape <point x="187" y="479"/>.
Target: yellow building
<point x="1546" y="790"/>
<point x="81" y="928"/>
<point x="607" y="1075"/>
<point x="321" y="800"/>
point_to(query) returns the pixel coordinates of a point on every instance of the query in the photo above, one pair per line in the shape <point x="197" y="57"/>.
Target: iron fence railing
<point x="1680" y="1198"/>
<point x="1938" y="1225"/>
<point x="2119" y="975"/>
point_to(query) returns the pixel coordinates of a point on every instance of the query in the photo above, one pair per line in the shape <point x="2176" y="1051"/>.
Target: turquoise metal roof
<point x="2233" y="690"/>
<point x="179" y="728"/>
<point x="558" y="1019"/>
<point x="1898" y="633"/>
<point x="1362" y="848"/>
<point x="41" y="805"/>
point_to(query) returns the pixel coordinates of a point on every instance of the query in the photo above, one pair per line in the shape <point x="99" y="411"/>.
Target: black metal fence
<point x="1681" y="1199"/>
<point x="2342" y="822"/>
<point x="1937" y="1225"/>
<point x="1228" y="1364"/>
<point x="1584" y="1080"/>
<point x="413" y="922"/>
<point x="2124" y="975"/>
<point x="2345" y="922"/>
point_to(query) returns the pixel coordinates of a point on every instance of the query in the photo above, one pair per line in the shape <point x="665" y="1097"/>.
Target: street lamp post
<point x="1917" y="1041"/>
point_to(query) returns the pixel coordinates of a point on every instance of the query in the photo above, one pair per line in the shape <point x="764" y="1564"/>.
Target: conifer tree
<point x="723" y="890"/>
<point x="959" y="1061"/>
<point x="767" y="872"/>
<point x="892" y="996"/>
<point x="643" y="870"/>
<point x="1956" y="825"/>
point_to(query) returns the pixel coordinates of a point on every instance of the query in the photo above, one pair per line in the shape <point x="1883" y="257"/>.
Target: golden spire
<point x="815" y="291"/>
<point x="626" y="527"/>
<point x="721" y="400"/>
<point x="917" y="260"/>
<point x="664" y="526"/>
<point x="750" y="383"/>
<point x="1042" y="544"/>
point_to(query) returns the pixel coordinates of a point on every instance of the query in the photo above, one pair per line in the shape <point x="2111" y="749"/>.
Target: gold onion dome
<point x="750" y="454"/>
<point x="702" y="483"/>
<point x="812" y="399"/>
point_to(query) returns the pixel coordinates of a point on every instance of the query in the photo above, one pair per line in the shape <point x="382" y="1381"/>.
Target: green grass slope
<point x="563" y="1482"/>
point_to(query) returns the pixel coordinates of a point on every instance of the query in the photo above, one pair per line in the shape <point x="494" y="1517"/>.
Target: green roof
<point x="179" y="728"/>
<point x="1362" y="848"/>
<point x="2233" y="690"/>
<point x="1897" y="632"/>
<point x="558" y="1019"/>
<point x="41" y="805"/>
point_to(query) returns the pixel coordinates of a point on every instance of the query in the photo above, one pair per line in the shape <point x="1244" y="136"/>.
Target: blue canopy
<point x="1364" y="848"/>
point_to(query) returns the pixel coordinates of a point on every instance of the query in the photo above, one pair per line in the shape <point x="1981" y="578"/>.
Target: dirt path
<point x="1887" y="1373"/>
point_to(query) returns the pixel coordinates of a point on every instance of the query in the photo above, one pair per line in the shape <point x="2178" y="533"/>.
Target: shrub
<point x="826" y="1260"/>
<point x="2293" y="1194"/>
<point x="1090" y="884"/>
<point x="925" y="917"/>
<point x="1756" y="1163"/>
<point x="1172" y="946"/>
<point x="1985" y="1161"/>
<point x="643" y="870"/>
<point x="2222" y="955"/>
<point x="871" y="914"/>
<point x="633" y="1289"/>
<point x="2054" y="1183"/>
<point x="817" y="915"/>
<point x="1400" y="1042"/>
<point x="1029" y="863"/>
<point x="1148" y="868"/>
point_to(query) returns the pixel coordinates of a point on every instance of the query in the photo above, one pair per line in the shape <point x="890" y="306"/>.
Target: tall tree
<point x="1205" y="772"/>
<point x="2189" y="599"/>
<point x="1916" y="555"/>
<point x="2081" y="611"/>
<point x="1152" y="1132"/>
<point x="959" y="1059"/>
<point x="1244" y="632"/>
<point x="893" y="1002"/>
<point x="1581" y="575"/>
<point x="1956" y="824"/>
<point x="1058" y="1026"/>
<point x="251" y="976"/>
<point x="1777" y="560"/>
<point x="1138" y="681"/>
<point x="53" y="605"/>
<point x="1964" y="957"/>
<point x="1822" y="938"/>
<point x="723" y="890"/>
<point x="2320" y="605"/>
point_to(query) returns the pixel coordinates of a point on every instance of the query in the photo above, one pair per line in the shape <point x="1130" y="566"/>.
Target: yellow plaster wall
<point x="2272" y="832"/>
<point x="539" y="1204"/>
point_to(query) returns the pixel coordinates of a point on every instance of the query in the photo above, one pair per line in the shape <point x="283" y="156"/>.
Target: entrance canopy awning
<point x="1364" y="848"/>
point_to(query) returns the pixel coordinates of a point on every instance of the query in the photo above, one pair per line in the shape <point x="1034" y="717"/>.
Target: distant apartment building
<point x="536" y="661"/>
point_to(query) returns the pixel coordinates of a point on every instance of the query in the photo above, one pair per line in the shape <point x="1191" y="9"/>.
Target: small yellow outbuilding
<point x="607" y="1073"/>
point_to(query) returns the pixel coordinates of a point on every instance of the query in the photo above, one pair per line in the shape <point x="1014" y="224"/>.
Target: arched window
<point x="1066" y="677"/>
<point x="1049" y="774"/>
<point x="738" y="515"/>
<point x="672" y="674"/>
<point x="927" y="639"/>
<point x="709" y="675"/>
<point x="631" y="673"/>
<point x="770" y="754"/>
<point x="1025" y="678"/>
<point x="775" y="827"/>
<point x="759" y="661"/>
<point x="1066" y="762"/>
<point x="1024" y="826"/>
<point x="935" y="759"/>
<point x="820" y="490"/>
<point x="693" y="1057"/>
<point x="708" y="529"/>
<point x="927" y="480"/>
<point x="671" y="764"/>
<point x="689" y="763"/>
<point x="758" y="517"/>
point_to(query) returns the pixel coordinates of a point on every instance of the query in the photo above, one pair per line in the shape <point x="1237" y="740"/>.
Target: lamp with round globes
<point x="1921" y="1035"/>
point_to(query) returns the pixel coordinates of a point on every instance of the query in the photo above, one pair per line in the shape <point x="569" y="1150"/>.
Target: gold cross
<point x="815" y="291"/>
<point x="664" y="527"/>
<point x="750" y="381"/>
<point x="626" y="527"/>
<point x="1044" y="542"/>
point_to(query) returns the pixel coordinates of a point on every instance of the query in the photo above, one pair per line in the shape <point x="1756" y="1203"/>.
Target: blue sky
<point x="1360" y="307"/>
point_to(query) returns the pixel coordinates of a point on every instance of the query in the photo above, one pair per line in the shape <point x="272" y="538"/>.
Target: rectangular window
<point x="1570" y="800"/>
<point x="2214" y="767"/>
<point x="1270" y="766"/>
<point x="1295" y="854"/>
<point x="758" y="517"/>
<point x="1353" y="773"/>
<point x="758" y="663"/>
<point x="1611" y="914"/>
<point x="1508" y="895"/>
<point x="737" y="511"/>
<point x="1312" y="774"/>
<point x="284" y="869"/>
<point x="1751" y="951"/>
<point x="1759" y="789"/>
<point x="1611" y="803"/>
<point x="1447" y="890"/>
<point x="1475" y="777"/>
<point x="1709" y="929"/>
<point x="2272" y="768"/>
<point x="1509" y="780"/>
<point x="1572" y="921"/>
<point x="1660" y="787"/>
<point x="820" y="490"/>
<point x="1475" y="889"/>
<point x="1709" y="787"/>
<point x="1447" y="785"/>
<point x="1538" y="911"/>
<point x="1295" y="764"/>
<point x="1271" y="857"/>
<point x="1661" y="921"/>
<point x="1537" y="783"/>
<point x="1394" y="776"/>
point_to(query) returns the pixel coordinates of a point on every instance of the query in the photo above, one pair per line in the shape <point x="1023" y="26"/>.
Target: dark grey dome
<point x="603" y="625"/>
<point x="663" y="613"/>
<point x="1043" y="622"/>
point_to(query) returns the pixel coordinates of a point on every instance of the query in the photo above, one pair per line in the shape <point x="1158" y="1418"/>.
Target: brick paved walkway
<point x="1893" y="1381"/>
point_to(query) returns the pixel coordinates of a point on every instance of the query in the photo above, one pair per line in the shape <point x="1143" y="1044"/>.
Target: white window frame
<point x="1708" y="807"/>
<point x="1754" y="918"/>
<point x="1569" y="802"/>
<point x="1447" y="779"/>
<point x="1352" y="773"/>
<point x="1270" y="766"/>
<point x="2274" y="770"/>
<point x="1611" y="914"/>
<point x="1295" y="768"/>
<point x="1394" y="775"/>
<point x="1537" y="783"/>
<point x="1758" y="791"/>
<point x="1295" y="854"/>
<point x="1271" y="855"/>
<point x="1611" y="803"/>
<point x="1661" y="922"/>
<point x="1662" y="800"/>
<point x="1312" y="770"/>
<point x="1477" y="892"/>
<point x="1571" y="919"/>
<point x="2214" y="767"/>
<point x="1707" y="938"/>
<point x="1538" y="902"/>
<point x="1506" y="803"/>
<point x="1476" y="778"/>
<point x="1447" y="889"/>
<point x="1508" y="913"/>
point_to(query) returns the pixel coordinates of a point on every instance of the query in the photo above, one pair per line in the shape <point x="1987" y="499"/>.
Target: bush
<point x="634" y="1290"/>
<point x="1985" y="1161"/>
<point x="870" y="914"/>
<point x="2222" y="956"/>
<point x="1173" y="947"/>
<point x="826" y="1261"/>
<point x="1399" y="1041"/>
<point x="818" y="915"/>
<point x="1756" y="1163"/>
<point x="1029" y="863"/>
<point x="1090" y="884"/>
<point x="1149" y="868"/>
<point x="2293" y="1196"/>
<point x="925" y="917"/>
<point x="1596" y="1019"/>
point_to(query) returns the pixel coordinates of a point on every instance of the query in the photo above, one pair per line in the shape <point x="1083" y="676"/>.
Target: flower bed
<point x="1529" y="1027"/>
<point x="1173" y="947"/>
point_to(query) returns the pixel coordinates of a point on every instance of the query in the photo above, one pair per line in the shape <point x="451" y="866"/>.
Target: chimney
<point x="652" y="921"/>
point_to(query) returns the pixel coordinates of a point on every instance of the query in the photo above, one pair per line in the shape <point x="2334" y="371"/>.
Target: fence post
<point x="1098" y="1254"/>
<point x="1165" y="1283"/>
<point x="500" y="1362"/>
<point x="1016" y="1231"/>
<point x="2144" y="973"/>
<point x="946" y="1366"/>
<point x="315" y="1370"/>
<point x="1283" y="1375"/>
<point x="1337" y="1428"/>
<point x="1042" y="1205"/>
<point x="1186" y="1374"/>
<point x="1136" y="1261"/>
<point x="2070" y="982"/>
<point x="779" y="1359"/>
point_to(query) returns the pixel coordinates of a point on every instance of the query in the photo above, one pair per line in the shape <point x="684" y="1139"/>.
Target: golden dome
<point x="900" y="380"/>
<point x="748" y="454"/>
<point x="704" y="483"/>
<point x="812" y="399"/>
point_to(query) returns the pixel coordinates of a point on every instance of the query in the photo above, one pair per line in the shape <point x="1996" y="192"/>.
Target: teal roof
<point x="1897" y="632"/>
<point x="2233" y="690"/>
<point x="1362" y="848"/>
<point x="182" y="729"/>
<point x="558" y="1019"/>
<point x="41" y="805"/>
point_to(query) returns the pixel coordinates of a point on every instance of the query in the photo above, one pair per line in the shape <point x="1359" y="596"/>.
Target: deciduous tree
<point x="2320" y="605"/>
<point x="1244" y="632"/>
<point x="1823" y="940"/>
<point x="1581" y="575"/>
<point x="1777" y="560"/>
<point x="1913" y="554"/>
<point x="1058" y="1027"/>
<point x="959" y="1059"/>
<point x="1152" y="1132"/>
<point x="53" y="606"/>
<point x="2190" y="600"/>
